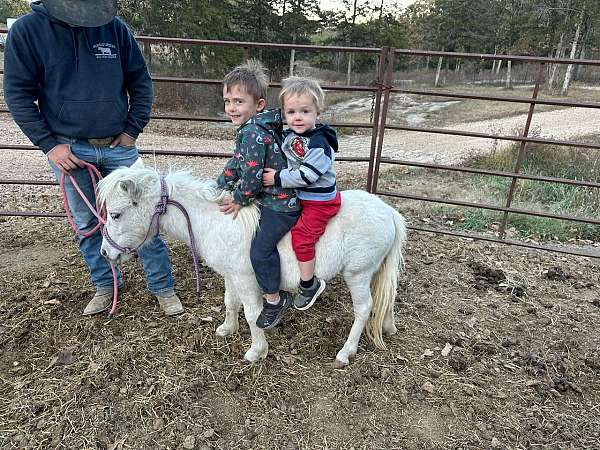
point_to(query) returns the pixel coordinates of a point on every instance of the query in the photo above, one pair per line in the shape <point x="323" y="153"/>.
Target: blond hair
<point x="302" y="86"/>
<point x="252" y="76"/>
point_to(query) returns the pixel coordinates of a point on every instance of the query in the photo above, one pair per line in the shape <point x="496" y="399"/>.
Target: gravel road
<point x="423" y="147"/>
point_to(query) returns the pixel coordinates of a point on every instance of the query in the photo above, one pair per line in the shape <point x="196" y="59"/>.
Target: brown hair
<point x="252" y="76"/>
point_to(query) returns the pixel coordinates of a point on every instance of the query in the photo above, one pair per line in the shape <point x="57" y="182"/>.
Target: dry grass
<point x="552" y="161"/>
<point x="522" y="371"/>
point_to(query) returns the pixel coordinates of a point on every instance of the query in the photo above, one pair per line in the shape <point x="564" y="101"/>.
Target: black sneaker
<point x="271" y="314"/>
<point x="306" y="297"/>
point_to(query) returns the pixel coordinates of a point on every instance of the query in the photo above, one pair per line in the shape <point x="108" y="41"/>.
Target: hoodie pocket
<point x="99" y="115"/>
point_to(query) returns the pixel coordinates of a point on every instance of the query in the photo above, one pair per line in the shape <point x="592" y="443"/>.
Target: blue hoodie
<point x="80" y="78"/>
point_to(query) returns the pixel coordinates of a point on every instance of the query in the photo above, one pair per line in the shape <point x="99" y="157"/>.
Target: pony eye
<point x="115" y="216"/>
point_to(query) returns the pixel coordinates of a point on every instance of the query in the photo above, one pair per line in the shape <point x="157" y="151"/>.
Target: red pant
<point x="311" y="225"/>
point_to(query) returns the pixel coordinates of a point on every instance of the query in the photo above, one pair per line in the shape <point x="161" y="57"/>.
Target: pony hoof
<point x="391" y="330"/>
<point x="338" y="364"/>
<point x="223" y="330"/>
<point x="253" y="356"/>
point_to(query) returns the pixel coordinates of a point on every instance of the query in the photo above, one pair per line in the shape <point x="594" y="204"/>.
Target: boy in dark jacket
<point x="256" y="148"/>
<point x="77" y="85"/>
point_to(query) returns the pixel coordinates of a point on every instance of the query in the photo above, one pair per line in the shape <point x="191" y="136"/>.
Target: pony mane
<point x="179" y="182"/>
<point x="142" y="177"/>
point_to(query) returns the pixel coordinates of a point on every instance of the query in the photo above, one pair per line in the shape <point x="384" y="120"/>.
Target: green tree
<point x="13" y="8"/>
<point x="367" y="25"/>
<point x="198" y="19"/>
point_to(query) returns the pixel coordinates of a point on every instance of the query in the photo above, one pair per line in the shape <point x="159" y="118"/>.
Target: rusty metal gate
<point x="381" y="88"/>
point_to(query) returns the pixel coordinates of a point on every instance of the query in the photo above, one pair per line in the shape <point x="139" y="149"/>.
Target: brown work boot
<point x="100" y="302"/>
<point x="170" y="304"/>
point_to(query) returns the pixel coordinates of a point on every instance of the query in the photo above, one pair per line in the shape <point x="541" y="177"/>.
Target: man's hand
<point x="230" y="207"/>
<point x="123" y="140"/>
<point x="268" y="178"/>
<point x="64" y="159"/>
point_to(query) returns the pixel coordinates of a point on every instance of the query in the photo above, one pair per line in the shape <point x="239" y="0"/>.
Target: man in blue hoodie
<point x="77" y="85"/>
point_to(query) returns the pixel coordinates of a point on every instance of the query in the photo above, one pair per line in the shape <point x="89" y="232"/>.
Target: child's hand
<point x="268" y="178"/>
<point x="230" y="207"/>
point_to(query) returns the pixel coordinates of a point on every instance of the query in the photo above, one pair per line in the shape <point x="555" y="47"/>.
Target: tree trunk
<point x="559" y="52"/>
<point x="147" y="46"/>
<point x="579" y="67"/>
<point x="349" y="70"/>
<point x="569" y="73"/>
<point x="292" y="57"/>
<point x="439" y="70"/>
<point x="581" y="55"/>
<point x="354" y="13"/>
<point x="498" y="67"/>
<point x="508" y="75"/>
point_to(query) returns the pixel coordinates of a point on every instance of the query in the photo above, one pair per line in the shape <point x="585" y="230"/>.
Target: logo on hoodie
<point x="104" y="50"/>
<point x="299" y="145"/>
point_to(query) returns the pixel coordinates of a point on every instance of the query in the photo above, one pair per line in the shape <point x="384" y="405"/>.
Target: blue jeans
<point x="154" y="256"/>
<point x="264" y="255"/>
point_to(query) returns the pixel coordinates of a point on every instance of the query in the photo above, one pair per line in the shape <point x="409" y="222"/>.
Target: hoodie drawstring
<point x="87" y="41"/>
<point x="75" y="49"/>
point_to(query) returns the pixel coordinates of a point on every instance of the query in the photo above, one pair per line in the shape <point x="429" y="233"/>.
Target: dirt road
<point x="565" y="124"/>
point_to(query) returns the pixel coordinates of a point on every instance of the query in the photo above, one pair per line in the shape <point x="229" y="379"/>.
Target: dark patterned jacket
<point x="257" y="146"/>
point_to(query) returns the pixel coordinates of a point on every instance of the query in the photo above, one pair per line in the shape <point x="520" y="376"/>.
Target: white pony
<point x="363" y="242"/>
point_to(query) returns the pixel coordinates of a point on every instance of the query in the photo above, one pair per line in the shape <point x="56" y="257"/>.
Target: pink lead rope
<point x="97" y="211"/>
<point x="100" y="214"/>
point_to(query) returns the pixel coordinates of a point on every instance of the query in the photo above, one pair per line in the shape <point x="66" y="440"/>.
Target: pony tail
<point x="385" y="283"/>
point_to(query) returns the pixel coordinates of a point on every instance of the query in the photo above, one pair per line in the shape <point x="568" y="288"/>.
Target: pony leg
<point x="259" y="348"/>
<point x="359" y="285"/>
<point x="232" y="310"/>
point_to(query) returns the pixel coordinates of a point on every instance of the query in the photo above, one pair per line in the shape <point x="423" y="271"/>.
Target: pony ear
<point x="129" y="187"/>
<point x="138" y="164"/>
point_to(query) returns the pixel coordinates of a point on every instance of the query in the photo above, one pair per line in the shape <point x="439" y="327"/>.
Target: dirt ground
<point x="497" y="348"/>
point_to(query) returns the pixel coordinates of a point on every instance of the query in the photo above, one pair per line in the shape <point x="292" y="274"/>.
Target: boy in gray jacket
<point x="310" y="150"/>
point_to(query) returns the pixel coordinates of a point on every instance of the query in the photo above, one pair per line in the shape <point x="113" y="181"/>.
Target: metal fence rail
<point x="381" y="88"/>
<point x="523" y="140"/>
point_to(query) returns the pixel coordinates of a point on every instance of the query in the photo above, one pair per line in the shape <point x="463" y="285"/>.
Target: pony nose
<point x="104" y="253"/>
